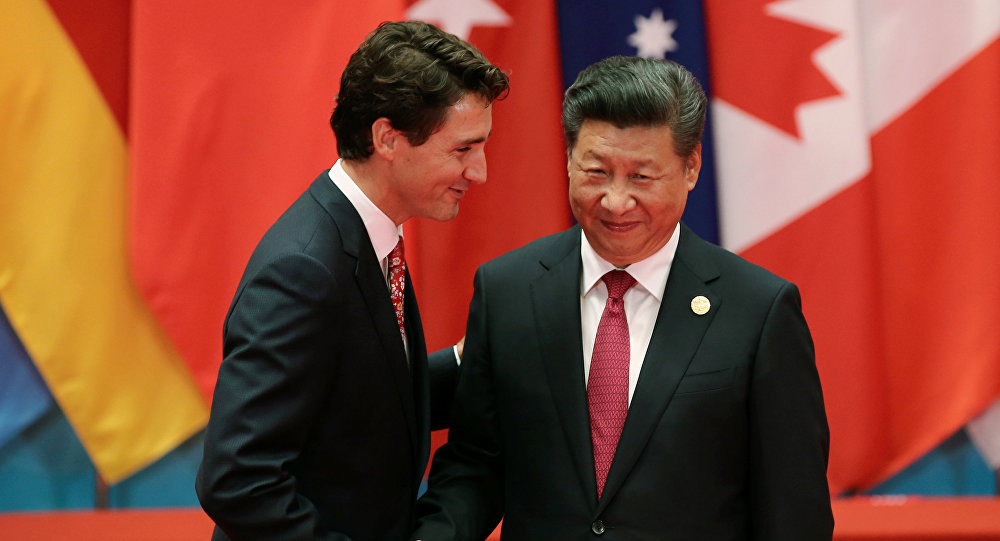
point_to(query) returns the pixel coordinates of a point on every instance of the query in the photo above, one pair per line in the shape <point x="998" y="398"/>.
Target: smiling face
<point x="627" y="188"/>
<point x="429" y="179"/>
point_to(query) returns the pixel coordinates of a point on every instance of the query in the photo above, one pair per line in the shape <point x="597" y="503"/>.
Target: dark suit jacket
<point x="319" y="429"/>
<point x="726" y="436"/>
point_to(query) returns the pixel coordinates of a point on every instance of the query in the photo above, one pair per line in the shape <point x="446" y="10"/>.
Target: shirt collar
<point x="650" y="273"/>
<point x="384" y="234"/>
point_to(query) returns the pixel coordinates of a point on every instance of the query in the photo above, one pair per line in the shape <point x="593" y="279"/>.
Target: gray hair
<point x="632" y="91"/>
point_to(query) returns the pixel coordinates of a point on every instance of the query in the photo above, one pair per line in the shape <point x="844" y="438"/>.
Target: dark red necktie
<point x="397" y="282"/>
<point x="607" y="388"/>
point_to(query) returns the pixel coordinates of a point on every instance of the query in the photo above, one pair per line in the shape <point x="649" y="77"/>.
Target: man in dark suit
<point x="321" y="419"/>
<point x="625" y="379"/>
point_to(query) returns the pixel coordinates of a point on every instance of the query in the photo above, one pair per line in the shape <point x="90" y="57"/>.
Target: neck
<point x="370" y="177"/>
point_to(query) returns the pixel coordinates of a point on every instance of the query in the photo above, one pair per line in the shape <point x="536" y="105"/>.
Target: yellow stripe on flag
<point x="64" y="275"/>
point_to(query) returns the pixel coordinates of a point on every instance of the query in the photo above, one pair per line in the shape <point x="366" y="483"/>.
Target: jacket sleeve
<point x="789" y="435"/>
<point x="270" y="385"/>
<point x="443" y="367"/>
<point x="465" y="492"/>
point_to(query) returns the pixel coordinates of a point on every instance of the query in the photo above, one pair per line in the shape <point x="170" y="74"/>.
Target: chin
<point x="619" y="258"/>
<point x="446" y="215"/>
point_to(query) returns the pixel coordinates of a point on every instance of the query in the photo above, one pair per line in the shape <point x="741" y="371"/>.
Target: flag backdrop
<point x="64" y="279"/>
<point x="230" y="103"/>
<point x="858" y="157"/>
<point x="25" y="396"/>
<point x="144" y="148"/>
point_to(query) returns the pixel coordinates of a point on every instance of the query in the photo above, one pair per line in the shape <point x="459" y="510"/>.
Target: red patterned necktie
<point x="397" y="282"/>
<point x="607" y="389"/>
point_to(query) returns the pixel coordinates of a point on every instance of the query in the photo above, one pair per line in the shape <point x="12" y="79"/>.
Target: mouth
<point x="619" y="227"/>
<point x="457" y="192"/>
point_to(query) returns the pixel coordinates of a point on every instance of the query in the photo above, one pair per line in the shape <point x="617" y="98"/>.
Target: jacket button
<point x="597" y="527"/>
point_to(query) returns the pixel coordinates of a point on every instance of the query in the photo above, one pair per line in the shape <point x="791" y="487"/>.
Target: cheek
<point x="664" y="207"/>
<point x="584" y="196"/>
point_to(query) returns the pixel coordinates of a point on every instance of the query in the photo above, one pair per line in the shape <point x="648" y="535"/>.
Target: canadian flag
<point x="859" y="156"/>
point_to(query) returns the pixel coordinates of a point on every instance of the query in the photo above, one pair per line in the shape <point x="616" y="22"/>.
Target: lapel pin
<point x="700" y="305"/>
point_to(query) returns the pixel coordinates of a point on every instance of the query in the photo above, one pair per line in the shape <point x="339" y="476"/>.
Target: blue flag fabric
<point x="24" y="397"/>
<point x="590" y="31"/>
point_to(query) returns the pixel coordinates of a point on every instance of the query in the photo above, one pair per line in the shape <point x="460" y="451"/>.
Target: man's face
<point x="430" y="179"/>
<point x="627" y="188"/>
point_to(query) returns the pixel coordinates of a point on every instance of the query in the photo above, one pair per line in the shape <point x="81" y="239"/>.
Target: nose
<point x="617" y="198"/>
<point x="475" y="168"/>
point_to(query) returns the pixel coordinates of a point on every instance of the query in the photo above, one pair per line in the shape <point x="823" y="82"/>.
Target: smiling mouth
<point x="619" y="227"/>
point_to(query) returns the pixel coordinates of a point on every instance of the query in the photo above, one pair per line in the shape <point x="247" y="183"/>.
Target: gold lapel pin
<point x="700" y="305"/>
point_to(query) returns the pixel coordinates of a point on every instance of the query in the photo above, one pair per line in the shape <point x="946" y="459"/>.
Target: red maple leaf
<point x="762" y="64"/>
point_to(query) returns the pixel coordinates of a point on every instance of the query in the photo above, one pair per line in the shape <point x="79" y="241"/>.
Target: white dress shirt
<point x="642" y="301"/>
<point x="382" y="231"/>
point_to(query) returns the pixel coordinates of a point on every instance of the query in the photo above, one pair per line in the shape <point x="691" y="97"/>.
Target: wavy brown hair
<point x="411" y="73"/>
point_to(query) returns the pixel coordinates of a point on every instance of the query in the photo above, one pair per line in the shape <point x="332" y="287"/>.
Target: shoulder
<point x="544" y="252"/>
<point x="310" y="233"/>
<point x="725" y="269"/>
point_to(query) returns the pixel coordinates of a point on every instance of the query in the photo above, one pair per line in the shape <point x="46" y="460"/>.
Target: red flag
<point x="229" y="124"/>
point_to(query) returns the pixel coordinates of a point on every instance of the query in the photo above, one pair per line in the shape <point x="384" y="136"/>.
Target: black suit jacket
<point x="726" y="436"/>
<point x="319" y="428"/>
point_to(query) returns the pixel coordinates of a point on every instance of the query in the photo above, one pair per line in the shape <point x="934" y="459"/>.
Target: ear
<point x="692" y="166"/>
<point x="385" y="138"/>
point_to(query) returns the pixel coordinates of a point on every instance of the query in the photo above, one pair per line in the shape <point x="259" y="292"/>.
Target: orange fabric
<point x="858" y="519"/>
<point x="149" y="525"/>
<point x="917" y="519"/>
<point x="909" y="519"/>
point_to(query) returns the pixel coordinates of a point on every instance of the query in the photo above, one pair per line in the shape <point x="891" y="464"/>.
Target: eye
<point x="596" y="171"/>
<point x="463" y="149"/>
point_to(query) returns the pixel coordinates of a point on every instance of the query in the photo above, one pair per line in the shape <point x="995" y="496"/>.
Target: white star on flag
<point x="653" y="37"/>
<point x="459" y="16"/>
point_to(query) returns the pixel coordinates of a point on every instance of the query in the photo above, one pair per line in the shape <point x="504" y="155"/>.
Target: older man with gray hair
<point x="625" y="379"/>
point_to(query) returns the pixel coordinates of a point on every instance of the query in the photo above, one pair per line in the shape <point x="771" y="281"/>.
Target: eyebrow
<point x="477" y="139"/>
<point x="600" y="157"/>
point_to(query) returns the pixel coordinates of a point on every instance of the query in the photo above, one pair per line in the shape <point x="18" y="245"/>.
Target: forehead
<point x="605" y="141"/>
<point x="632" y="146"/>
<point x="467" y="116"/>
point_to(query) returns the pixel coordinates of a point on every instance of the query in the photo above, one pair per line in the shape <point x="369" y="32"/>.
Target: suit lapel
<point x="556" y="303"/>
<point x="420" y="376"/>
<point x="676" y="336"/>
<point x="374" y="291"/>
<point x="376" y="294"/>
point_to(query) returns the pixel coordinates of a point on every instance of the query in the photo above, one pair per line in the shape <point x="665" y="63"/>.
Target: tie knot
<point x="396" y="255"/>
<point x="618" y="282"/>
